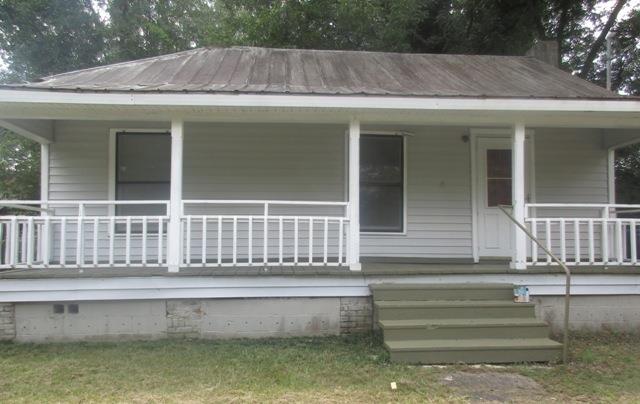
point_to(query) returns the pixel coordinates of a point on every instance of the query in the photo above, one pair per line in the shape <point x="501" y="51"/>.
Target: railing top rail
<point x="581" y="205"/>
<point x="259" y="202"/>
<point x="86" y="202"/>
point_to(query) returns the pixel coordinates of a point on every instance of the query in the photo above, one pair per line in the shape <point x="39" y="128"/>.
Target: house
<point x="229" y="192"/>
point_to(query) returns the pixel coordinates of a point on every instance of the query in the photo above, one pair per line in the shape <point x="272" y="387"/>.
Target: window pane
<point x="142" y="191"/>
<point x="381" y="159"/>
<point x="143" y="157"/>
<point x="498" y="163"/>
<point x="498" y="192"/>
<point x="381" y="208"/>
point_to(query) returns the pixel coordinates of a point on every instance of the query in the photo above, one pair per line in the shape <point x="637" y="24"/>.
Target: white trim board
<point x="317" y="101"/>
<point x="137" y="288"/>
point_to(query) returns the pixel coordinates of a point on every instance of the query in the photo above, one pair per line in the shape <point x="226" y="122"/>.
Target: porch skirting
<point x="260" y="318"/>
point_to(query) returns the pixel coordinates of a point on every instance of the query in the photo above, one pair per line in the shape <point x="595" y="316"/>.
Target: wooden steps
<point x="451" y="323"/>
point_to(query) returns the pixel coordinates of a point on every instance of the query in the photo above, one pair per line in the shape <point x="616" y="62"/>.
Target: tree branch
<point x="597" y="44"/>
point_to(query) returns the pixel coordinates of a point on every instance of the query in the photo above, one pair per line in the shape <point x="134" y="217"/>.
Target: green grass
<point x="333" y="369"/>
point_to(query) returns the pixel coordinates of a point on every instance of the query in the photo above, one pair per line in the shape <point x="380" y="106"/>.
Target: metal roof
<point x="327" y="72"/>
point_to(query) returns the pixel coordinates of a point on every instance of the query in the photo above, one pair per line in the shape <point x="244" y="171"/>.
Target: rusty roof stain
<point x="326" y="72"/>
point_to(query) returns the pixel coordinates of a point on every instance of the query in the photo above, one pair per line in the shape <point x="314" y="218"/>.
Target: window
<point x="143" y="171"/>
<point x="382" y="183"/>
<point x="498" y="177"/>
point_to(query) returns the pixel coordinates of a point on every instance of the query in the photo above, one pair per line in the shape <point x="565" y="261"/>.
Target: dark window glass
<point x="143" y="164"/>
<point x="381" y="183"/>
<point x="498" y="177"/>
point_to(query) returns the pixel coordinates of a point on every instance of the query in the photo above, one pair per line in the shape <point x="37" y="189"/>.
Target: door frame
<point x="500" y="133"/>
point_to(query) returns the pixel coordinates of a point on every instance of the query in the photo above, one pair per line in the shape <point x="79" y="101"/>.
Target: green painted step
<point x="403" y="330"/>
<point x="443" y="309"/>
<point x="493" y="350"/>
<point x="459" y="291"/>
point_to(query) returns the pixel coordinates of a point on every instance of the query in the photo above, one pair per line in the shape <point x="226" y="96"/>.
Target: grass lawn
<point x="355" y="369"/>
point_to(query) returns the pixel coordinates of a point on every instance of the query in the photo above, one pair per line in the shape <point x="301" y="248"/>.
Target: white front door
<point x="494" y="179"/>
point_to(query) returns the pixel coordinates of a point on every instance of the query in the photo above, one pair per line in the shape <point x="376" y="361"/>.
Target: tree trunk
<point x="597" y="44"/>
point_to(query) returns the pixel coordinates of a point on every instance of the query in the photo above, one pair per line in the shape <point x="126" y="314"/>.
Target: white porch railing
<point x="584" y="234"/>
<point x="297" y="235"/>
<point x="82" y="234"/>
<point x="213" y="233"/>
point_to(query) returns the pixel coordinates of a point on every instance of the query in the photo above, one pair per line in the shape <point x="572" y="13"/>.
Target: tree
<point x="43" y="37"/>
<point x="144" y="28"/>
<point x="382" y="25"/>
<point x="19" y="167"/>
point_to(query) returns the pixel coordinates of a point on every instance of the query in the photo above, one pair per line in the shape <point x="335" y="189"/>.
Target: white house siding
<point x="438" y="199"/>
<point x="306" y="162"/>
<point x="571" y="167"/>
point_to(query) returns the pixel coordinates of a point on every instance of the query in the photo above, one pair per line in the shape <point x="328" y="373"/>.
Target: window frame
<point x="112" y="163"/>
<point x="404" y="137"/>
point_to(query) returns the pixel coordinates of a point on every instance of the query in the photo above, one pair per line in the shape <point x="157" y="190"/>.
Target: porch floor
<point x="368" y="269"/>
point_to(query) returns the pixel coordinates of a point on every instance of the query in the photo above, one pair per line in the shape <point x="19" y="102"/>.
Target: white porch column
<point x="519" y="196"/>
<point x="174" y="241"/>
<point x="354" y="195"/>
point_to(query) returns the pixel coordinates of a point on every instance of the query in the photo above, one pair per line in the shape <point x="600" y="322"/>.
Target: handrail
<point x="567" y="271"/>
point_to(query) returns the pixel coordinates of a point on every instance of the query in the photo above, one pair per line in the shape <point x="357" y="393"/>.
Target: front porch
<point x="102" y="206"/>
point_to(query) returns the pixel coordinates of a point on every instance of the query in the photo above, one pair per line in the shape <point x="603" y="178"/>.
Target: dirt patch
<point x="495" y="387"/>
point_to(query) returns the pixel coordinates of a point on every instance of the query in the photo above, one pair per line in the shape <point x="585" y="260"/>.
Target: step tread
<point x="448" y="303"/>
<point x="461" y="322"/>
<point x="473" y="344"/>
<point x="439" y="286"/>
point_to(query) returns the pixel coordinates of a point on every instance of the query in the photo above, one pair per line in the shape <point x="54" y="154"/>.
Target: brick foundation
<point x="184" y="318"/>
<point x="356" y="315"/>
<point x="7" y="322"/>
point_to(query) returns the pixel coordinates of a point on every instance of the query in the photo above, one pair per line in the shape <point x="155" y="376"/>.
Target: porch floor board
<point x="368" y="269"/>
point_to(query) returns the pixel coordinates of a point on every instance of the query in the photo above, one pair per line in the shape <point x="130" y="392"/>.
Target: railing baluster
<point x="187" y="251"/>
<point x="3" y="245"/>
<point x="63" y="241"/>
<point x="23" y="244"/>
<point x="576" y="236"/>
<point x="234" y="247"/>
<point x="310" y="241"/>
<point x="204" y="240"/>
<point x="547" y="230"/>
<point x="127" y="247"/>
<point x="632" y="242"/>
<point x="30" y="241"/>
<point x="250" y="241"/>
<point x="605" y="241"/>
<point x="219" y="240"/>
<point x="296" y="238"/>
<point x="160" y="237"/>
<point x="563" y="241"/>
<point x="592" y="243"/>
<point x="80" y="241"/>
<point x="144" y="240"/>
<point x="534" y="247"/>
<point x="37" y="244"/>
<point x="280" y="240"/>
<point x="112" y="240"/>
<point x="265" y="241"/>
<point x="618" y="241"/>
<point x="95" y="241"/>
<point x="340" y="240"/>
<point x="325" y="255"/>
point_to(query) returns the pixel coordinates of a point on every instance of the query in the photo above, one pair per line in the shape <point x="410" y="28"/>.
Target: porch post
<point x="174" y="241"/>
<point x="519" y="196"/>
<point x="354" y="195"/>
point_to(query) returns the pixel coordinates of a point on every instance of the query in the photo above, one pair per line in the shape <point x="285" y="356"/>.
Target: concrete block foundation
<point x="261" y="317"/>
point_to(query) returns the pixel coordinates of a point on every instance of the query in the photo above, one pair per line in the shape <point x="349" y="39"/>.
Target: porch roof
<point x="325" y="72"/>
